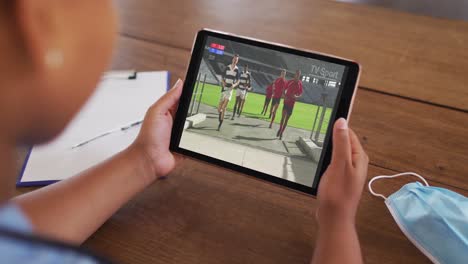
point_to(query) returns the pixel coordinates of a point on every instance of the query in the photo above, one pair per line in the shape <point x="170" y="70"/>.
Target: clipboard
<point x="136" y="90"/>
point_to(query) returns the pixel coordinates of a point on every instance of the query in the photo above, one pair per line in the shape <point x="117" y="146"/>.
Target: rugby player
<point x="229" y="81"/>
<point x="241" y="91"/>
<point x="278" y="91"/>
<point x="293" y="91"/>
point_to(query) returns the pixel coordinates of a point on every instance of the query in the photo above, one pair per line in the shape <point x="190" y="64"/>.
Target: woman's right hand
<point x="341" y="185"/>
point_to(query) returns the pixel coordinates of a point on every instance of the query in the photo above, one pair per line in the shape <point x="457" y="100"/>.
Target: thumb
<point x="170" y="99"/>
<point x="341" y="143"/>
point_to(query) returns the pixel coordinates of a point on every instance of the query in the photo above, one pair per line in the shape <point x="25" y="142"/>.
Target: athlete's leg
<point x="274" y="107"/>
<point x="242" y="97"/>
<point x="223" y="106"/>
<point x="265" y="105"/>
<point x="239" y="112"/>
<point x="220" y="104"/>
<point x="271" y="106"/>
<point x="283" y="115"/>
<point x="288" y="115"/>
<point x="273" y="114"/>
<point x="220" y="107"/>
<point x="236" y="105"/>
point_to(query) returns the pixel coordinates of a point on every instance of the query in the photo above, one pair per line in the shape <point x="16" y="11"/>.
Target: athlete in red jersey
<point x="278" y="90"/>
<point x="268" y="94"/>
<point x="294" y="90"/>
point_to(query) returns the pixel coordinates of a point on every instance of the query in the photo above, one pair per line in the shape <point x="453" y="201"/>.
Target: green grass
<point x="303" y="115"/>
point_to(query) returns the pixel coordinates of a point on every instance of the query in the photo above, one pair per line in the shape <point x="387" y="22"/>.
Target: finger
<point x="341" y="153"/>
<point x="356" y="147"/>
<point x="359" y="156"/>
<point x="170" y="99"/>
<point x="173" y="110"/>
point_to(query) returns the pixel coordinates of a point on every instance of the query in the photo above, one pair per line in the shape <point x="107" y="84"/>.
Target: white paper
<point x="116" y="103"/>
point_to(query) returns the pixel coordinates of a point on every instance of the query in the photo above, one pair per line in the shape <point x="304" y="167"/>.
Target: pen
<point x="107" y="133"/>
<point x="131" y="125"/>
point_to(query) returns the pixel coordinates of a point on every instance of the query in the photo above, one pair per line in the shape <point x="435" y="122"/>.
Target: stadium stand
<point x="206" y="69"/>
<point x="265" y="67"/>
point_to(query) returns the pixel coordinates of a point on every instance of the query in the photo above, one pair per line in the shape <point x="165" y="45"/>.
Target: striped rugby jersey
<point x="244" y="80"/>
<point x="230" y="76"/>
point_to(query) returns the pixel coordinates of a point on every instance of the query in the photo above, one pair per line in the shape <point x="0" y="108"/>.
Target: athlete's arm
<point x="73" y="209"/>
<point x="223" y="79"/>
<point x="300" y="93"/>
<point x="236" y="84"/>
<point x="338" y="199"/>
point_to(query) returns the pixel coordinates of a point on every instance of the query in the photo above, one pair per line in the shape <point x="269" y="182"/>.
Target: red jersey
<point x="269" y="91"/>
<point x="280" y="85"/>
<point x="292" y="88"/>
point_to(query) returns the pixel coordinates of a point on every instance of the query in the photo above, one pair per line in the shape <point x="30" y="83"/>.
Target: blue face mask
<point x="434" y="219"/>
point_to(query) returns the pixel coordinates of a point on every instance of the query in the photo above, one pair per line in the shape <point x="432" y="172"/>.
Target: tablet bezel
<point x="343" y="105"/>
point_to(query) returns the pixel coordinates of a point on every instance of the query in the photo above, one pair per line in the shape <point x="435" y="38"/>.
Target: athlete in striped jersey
<point x="241" y="91"/>
<point x="229" y="81"/>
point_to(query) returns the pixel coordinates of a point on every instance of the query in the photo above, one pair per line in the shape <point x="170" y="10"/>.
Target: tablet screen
<point x="262" y="109"/>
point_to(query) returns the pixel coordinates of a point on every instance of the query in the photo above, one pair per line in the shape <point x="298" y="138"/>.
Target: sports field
<point x="302" y="117"/>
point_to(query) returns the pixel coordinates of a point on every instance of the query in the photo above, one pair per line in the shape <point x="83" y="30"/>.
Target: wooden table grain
<point x="413" y="56"/>
<point x="411" y="113"/>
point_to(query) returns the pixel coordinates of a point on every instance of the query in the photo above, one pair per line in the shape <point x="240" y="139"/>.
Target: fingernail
<point x="342" y="123"/>
<point x="179" y="81"/>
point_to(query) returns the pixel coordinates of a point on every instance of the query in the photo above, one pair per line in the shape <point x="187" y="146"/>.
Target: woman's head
<point x="53" y="53"/>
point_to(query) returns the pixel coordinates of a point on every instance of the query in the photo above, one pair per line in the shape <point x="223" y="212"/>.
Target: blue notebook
<point x="107" y="124"/>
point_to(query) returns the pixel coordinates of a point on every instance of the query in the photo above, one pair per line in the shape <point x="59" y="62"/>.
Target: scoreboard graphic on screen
<point x="216" y="48"/>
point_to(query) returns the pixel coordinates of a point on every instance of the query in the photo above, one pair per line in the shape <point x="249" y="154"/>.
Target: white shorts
<point x="241" y="93"/>
<point x="226" y="95"/>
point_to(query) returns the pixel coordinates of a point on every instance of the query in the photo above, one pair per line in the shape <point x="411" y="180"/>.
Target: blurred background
<point x="453" y="9"/>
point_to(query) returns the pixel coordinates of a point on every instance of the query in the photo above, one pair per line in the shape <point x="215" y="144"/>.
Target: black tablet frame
<point x="342" y="107"/>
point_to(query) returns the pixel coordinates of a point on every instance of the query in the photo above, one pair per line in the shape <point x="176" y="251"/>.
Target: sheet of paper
<point x="116" y="103"/>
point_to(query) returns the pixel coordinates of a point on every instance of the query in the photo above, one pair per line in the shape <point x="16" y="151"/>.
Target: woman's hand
<point x="155" y="134"/>
<point x="341" y="186"/>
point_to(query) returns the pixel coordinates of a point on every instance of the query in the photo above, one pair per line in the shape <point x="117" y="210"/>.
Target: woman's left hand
<point x="155" y="134"/>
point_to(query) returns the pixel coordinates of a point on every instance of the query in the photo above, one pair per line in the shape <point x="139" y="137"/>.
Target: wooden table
<point x="411" y="113"/>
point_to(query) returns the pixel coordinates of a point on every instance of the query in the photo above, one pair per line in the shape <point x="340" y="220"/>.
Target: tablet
<point x="262" y="109"/>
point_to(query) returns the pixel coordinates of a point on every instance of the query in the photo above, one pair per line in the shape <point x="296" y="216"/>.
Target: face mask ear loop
<point x="369" y="186"/>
